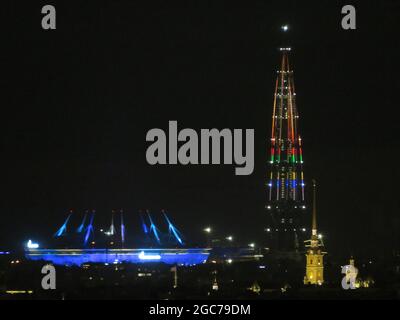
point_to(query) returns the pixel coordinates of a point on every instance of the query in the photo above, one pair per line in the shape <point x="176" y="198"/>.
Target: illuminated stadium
<point x="83" y="244"/>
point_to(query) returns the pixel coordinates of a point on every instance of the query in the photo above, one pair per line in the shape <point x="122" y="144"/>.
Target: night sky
<point x="77" y="103"/>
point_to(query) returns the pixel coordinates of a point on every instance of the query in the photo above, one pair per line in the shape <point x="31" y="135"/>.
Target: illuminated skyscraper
<point x="314" y="255"/>
<point x="286" y="206"/>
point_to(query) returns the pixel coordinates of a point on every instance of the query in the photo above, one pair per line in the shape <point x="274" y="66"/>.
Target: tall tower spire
<point x="285" y="186"/>
<point x="314" y="255"/>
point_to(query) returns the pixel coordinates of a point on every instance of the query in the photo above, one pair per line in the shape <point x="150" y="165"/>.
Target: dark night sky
<point x="77" y="104"/>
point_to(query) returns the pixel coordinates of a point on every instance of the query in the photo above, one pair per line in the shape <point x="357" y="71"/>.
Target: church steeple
<point x="314" y="233"/>
<point x="314" y="255"/>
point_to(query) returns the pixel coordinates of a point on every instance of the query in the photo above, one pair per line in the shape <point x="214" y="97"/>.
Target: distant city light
<point x="320" y="236"/>
<point x="285" y="28"/>
<point x="268" y="229"/>
<point x="229" y="261"/>
<point x="229" y="238"/>
<point x="142" y="256"/>
<point x="252" y="245"/>
<point x="208" y="230"/>
<point x="19" y="291"/>
<point x="32" y="245"/>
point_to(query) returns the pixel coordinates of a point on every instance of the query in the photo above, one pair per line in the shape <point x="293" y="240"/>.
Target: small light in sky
<point x="285" y="28"/>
